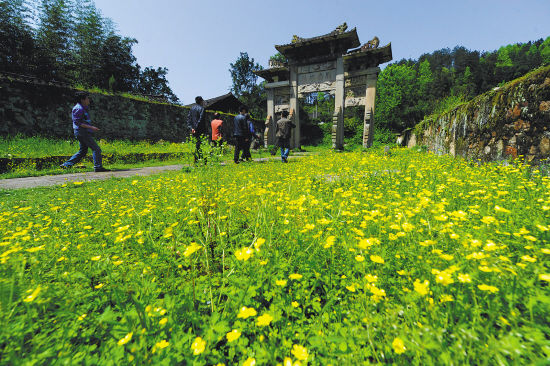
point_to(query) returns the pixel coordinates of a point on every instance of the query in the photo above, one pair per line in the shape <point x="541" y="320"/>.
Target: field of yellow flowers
<point x="339" y="258"/>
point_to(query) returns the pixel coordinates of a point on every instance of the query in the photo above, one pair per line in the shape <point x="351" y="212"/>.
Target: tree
<point x="395" y="97"/>
<point x="245" y="85"/>
<point x="88" y="40"/>
<point x="152" y="82"/>
<point x="55" y="32"/>
<point x="278" y="57"/>
<point x="17" y="45"/>
<point x="242" y="74"/>
<point x="544" y="50"/>
<point x="118" y="61"/>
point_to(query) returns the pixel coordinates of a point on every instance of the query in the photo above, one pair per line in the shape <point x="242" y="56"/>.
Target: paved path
<point x="52" y="180"/>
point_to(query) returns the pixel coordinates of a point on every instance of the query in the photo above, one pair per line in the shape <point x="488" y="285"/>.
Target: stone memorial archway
<point x="332" y="63"/>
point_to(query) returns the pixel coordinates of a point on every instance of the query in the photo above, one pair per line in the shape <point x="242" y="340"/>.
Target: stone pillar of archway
<point x="370" y="99"/>
<point x="269" y="135"/>
<point x="339" y="105"/>
<point x="294" y="108"/>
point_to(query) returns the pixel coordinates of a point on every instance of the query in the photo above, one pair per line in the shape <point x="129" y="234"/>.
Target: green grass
<point x="39" y="147"/>
<point x="339" y="258"/>
<point x="36" y="147"/>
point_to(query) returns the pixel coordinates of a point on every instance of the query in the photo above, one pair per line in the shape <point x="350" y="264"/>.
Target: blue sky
<point x="197" y="40"/>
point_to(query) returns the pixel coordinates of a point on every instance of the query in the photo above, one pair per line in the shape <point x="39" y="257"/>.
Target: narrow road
<point x="53" y="180"/>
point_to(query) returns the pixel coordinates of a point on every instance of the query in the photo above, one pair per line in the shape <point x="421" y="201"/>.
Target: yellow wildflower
<point x="377" y="259"/>
<point x="484" y="287"/>
<point x="245" y="312"/>
<point x="421" y="287"/>
<point x="125" y="339"/>
<point x="264" y="320"/>
<point x="191" y="249"/>
<point x="243" y="253"/>
<point x="398" y="346"/>
<point x="330" y="242"/>
<point x="464" y="278"/>
<point x="198" y="346"/>
<point x="300" y="352"/>
<point x="33" y="295"/>
<point x="233" y="335"/>
<point x="528" y="258"/>
<point x="370" y="278"/>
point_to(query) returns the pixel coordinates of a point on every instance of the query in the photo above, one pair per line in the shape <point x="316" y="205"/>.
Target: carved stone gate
<point x="327" y="64"/>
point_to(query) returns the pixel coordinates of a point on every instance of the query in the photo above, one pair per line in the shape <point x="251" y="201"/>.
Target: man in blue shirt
<point x="83" y="131"/>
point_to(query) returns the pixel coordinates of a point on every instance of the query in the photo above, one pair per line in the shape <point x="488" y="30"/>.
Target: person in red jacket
<point x="216" y="125"/>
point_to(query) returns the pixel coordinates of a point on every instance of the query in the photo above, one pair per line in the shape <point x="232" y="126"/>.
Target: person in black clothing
<point x="249" y="139"/>
<point x="196" y="123"/>
<point x="241" y="133"/>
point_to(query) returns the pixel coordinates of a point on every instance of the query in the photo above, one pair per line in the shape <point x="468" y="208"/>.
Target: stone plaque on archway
<point x="335" y="63"/>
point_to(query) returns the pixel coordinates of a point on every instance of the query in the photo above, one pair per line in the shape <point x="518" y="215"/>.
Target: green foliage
<point x="17" y="45"/>
<point x="382" y="136"/>
<point x="245" y="87"/>
<point x="396" y="97"/>
<point x="409" y="90"/>
<point x="72" y="43"/>
<point x="35" y="147"/>
<point x="278" y="57"/>
<point x="316" y="118"/>
<point x="153" y="82"/>
<point x="242" y="74"/>
<point x="54" y="36"/>
<point x="449" y="103"/>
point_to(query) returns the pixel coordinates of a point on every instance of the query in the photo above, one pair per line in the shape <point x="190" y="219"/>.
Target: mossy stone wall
<point x="510" y="121"/>
<point x="41" y="109"/>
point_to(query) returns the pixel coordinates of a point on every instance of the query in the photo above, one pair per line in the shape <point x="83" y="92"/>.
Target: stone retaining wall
<point x="510" y="121"/>
<point x="34" y="108"/>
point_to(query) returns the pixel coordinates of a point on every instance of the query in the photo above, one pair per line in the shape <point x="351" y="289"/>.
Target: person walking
<point x="83" y="131"/>
<point x="282" y="134"/>
<point x="196" y="123"/>
<point x="240" y="132"/>
<point x="250" y="139"/>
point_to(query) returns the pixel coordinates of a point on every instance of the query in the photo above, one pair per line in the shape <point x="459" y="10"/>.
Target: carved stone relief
<point x="316" y="87"/>
<point x="317" y="67"/>
<point x="355" y="96"/>
<point x="356" y="81"/>
<point x="281" y="99"/>
<point x="282" y="107"/>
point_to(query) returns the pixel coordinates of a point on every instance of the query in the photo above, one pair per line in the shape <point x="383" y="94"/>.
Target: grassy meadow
<point x="39" y="147"/>
<point x="339" y="258"/>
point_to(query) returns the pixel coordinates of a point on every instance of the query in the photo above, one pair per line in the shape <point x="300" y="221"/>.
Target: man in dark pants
<point x="83" y="131"/>
<point x="196" y="123"/>
<point x="240" y="132"/>
<point x="283" y="135"/>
